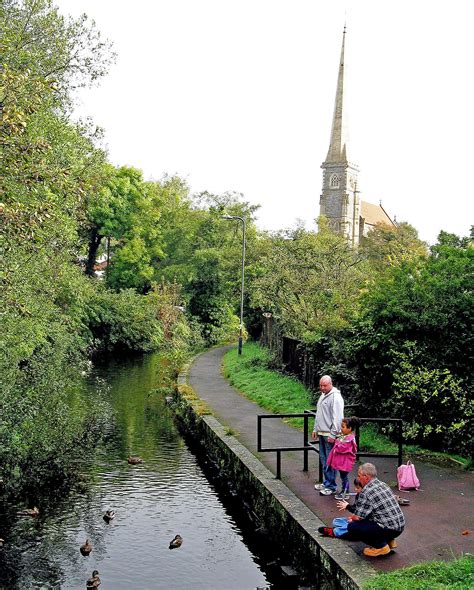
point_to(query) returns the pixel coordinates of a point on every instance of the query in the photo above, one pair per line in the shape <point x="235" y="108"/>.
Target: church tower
<point x="340" y="198"/>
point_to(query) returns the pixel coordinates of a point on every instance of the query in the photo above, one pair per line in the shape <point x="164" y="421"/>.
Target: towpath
<point x="440" y="517"/>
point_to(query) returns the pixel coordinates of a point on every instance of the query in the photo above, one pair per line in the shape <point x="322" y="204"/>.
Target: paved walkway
<point x="438" y="515"/>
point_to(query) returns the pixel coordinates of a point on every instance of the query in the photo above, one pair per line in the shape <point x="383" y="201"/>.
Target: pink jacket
<point x="343" y="454"/>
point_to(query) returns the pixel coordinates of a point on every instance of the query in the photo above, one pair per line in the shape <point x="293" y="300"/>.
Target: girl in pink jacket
<point x="343" y="454"/>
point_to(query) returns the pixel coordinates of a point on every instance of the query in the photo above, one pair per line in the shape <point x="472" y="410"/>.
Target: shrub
<point x="124" y="321"/>
<point x="433" y="404"/>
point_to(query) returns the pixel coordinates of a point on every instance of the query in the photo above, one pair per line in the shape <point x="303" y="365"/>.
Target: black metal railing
<point x="311" y="446"/>
<point x="278" y="450"/>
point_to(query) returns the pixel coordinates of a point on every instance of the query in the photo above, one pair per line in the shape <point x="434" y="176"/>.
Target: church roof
<point x="373" y="214"/>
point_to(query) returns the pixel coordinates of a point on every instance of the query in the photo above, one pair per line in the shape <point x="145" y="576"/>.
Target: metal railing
<point x="311" y="446"/>
<point x="278" y="450"/>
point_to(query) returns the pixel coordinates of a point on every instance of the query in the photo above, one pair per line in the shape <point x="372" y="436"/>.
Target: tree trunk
<point x="94" y="243"/>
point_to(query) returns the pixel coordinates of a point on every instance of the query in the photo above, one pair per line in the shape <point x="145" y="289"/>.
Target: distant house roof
<point x="373" y="214"/>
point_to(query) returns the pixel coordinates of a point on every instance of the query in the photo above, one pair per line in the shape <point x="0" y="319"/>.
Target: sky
<point x="239" y="96"/>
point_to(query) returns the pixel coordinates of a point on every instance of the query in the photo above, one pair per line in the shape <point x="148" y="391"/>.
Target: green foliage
<point x="405" y="347"/>
<point x="435" y="409"/>
<point x="209" y="301"/>
<point x="433" y="575"/>
<point x="414" y="344"/>
<point x="388" y="246"/>
<point x="123" y="321"/>
<point x="327" y="299"/>
<point x="47" y="169"/>
<point x="47" y="164"/>
<point x="46" y="423"/>
<point x="253" y="375"/>
<point x="126" y="211"/>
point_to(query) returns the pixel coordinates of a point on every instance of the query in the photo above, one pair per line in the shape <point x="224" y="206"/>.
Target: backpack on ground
<point x="406" y="476"/>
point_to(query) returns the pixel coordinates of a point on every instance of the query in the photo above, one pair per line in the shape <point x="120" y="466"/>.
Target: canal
<point x="167" y="494"/>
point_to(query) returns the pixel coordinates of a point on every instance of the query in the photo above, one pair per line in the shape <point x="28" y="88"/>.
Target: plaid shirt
<point x="376" y="502"/>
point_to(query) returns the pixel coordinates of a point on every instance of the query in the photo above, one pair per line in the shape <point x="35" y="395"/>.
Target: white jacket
<point x="329" y="413"/>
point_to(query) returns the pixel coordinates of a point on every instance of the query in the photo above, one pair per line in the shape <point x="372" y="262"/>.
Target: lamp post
<point x="243" y="274"/>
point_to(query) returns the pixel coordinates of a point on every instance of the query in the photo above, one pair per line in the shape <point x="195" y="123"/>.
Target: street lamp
<point x="243" y="272"/>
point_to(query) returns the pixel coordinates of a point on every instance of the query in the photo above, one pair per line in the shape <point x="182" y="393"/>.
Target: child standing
<point x="343" y="454"/>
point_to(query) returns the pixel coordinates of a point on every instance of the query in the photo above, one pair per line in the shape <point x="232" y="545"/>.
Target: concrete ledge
<point x="329" y="563"/>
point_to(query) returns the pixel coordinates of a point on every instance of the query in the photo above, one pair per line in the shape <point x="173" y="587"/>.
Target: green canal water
<point x="167" y="494"/>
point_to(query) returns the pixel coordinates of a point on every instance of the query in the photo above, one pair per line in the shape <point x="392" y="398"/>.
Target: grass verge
<point x="283" y="394"/>
<point x="432" y="575"/>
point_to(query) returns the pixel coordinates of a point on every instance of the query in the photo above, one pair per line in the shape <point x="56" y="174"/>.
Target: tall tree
<point x="387" y="246"/>
<point x="47" y="167"/>
<point x="310" y="281"/>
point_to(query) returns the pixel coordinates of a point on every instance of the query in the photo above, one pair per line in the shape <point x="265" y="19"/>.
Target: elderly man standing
<point x="377" y="519"/>
<point x="327" y="425"/>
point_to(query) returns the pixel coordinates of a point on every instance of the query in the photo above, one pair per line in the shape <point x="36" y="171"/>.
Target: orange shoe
<point x="372" y="552"/>
<point x="392" y="544"/>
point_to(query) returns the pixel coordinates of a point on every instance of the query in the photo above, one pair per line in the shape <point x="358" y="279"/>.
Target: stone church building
<point x="340" y="200"/>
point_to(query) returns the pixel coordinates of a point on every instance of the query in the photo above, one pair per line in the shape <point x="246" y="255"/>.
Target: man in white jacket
<point x="327" y="425"/>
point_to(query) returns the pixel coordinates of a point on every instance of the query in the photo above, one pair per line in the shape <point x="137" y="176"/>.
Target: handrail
<point x="306" y="446"/>
<point x="309" y="446"/>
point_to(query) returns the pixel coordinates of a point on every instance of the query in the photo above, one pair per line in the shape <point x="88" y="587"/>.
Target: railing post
<point x="278" y="474"/>
<point x="305" y="443"/>
<point x="400" y="441"/>
<point x="259" y="433"/>
<point x="357" y="439"/>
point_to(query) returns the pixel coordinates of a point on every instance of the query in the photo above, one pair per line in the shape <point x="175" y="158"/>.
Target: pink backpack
<point x="406" y="476"/>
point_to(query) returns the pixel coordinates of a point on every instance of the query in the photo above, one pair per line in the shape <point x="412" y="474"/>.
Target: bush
<point x="124" y="321"/>
<point x="223" y="325"/>
<point x="433" y="404"/>
<point x="47" y="424"/>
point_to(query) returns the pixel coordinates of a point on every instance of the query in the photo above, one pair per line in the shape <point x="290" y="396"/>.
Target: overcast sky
<point x="239" y="96"/>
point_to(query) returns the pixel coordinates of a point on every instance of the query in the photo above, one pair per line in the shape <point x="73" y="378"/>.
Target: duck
<point x="176" y="542"/>
<point x="134" y="460"/>
<point x="109" y="515"/>
<point x="94" y="581"/>
<point x="33" y="512"/>
<point x="86" y="548"/>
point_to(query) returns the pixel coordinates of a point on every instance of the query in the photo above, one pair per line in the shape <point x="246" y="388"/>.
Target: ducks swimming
<point x="176" y="542"/>
<point x="86" y="548"/>
<point x="134" y="460"/>
<point x="94" y="581"/>
<point x="109" y="515"/>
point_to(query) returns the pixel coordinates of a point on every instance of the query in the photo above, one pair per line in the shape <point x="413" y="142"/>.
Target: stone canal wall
<point x="329" y="564"/>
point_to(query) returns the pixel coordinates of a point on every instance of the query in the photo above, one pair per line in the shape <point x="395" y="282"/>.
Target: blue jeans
<point x="344" y="480"/>
<point x="340" y="526"/>
<point x="329" y="474"/>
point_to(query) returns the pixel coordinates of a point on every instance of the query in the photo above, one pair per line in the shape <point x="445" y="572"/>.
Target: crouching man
<point x="377" y="518"/>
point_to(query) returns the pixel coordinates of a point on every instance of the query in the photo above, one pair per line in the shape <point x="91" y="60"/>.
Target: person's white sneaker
<point x="327" y="492"/>
<point x="318" y="486"/>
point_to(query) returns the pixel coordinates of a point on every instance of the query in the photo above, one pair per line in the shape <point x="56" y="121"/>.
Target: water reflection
<point x="165" y="495"/>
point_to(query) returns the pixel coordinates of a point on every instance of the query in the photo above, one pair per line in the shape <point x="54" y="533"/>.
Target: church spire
<point x="340" y="197"/>
<point x="339" y="133"/>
